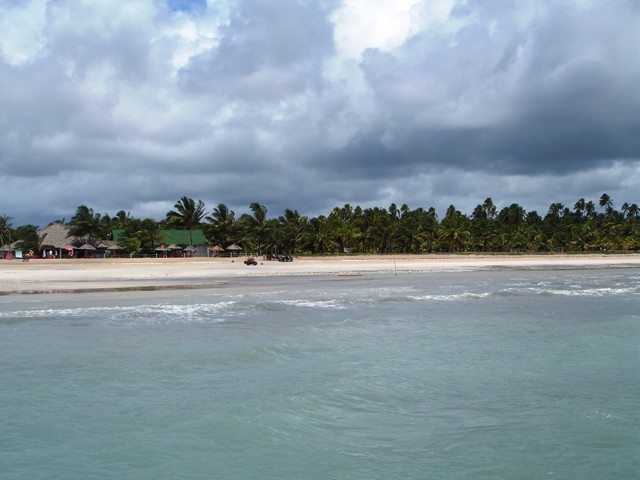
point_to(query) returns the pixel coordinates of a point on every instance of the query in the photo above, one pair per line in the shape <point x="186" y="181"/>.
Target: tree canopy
<point x="582" y="227"/>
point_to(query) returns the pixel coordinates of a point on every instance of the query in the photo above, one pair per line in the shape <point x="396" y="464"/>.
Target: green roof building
<point x="177" y="237"/>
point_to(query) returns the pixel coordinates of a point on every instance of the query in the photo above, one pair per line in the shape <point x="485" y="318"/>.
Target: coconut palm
<point x="489" y="208"/>
<point x="121" y="220"/>
<point x="633" y="211"/>
<point x="253" y="227"/>
<point x="514" y="214"/>
<point x="148" y="232"/>
<point x="606" y="203"/>
<point x="6" y="232"/>
<point x="88" y="224"/>
<point x="579" y="208"/>
<point x="222" y="224"/>
<point x="295" y="229"/>
<point x="187" y="214"/>
<point x="321" y="234"/>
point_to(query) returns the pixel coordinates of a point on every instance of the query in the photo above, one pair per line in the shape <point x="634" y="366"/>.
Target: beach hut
<point x="106" y="247"/>
<point x="86" y="248"/>
<point x="216" y="250"/>
<point x="190" y="250"/>
<point x="162" y="249"/>
<point x="234" y="249"/>
<point x="56" y="236"/>
<point x="7" y="251"/>
<point x="175" y="249"/>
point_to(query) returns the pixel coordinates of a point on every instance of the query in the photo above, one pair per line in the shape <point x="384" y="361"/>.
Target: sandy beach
<point x="67" y="276"/>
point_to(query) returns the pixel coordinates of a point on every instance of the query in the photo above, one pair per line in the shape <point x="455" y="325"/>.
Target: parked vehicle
<point x="250" y="261"/>
<point x="280" y="258"/>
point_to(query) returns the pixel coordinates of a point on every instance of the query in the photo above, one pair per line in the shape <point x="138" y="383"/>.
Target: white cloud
<point x="21" y="29"/>
<point x="130" y="105"/>
<point x="361" y="24"/>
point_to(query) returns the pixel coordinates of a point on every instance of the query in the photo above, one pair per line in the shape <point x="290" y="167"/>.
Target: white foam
<point x="331" y="304"/>
<point x="162" y="312"/>
<point x="451" y="297"/>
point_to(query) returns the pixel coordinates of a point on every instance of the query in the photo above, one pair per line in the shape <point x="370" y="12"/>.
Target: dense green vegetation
<point x="584" y="227"/>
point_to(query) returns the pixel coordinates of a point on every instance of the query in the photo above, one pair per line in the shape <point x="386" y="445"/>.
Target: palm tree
<point x="222" y="224"/>
<point x="489" y="208"/>
<point x="579" y="208"/>
<point x="187" y="214"/>
<point x="606" y="203"/>
<point x="88" y="224"/>
<point x="295" y="229"/>
<point x="343" y="223"/>
<point x="514" y="214"/>
<point x="148" y="233"/>
<point x="274" y="235"/>
<point x="253" y="227"/>
<point x="29" y="238"/>
<point x="121" y="220"/>
<point x="590" y="210"/>
<point x="6" y="232"/>
<point x="321" y="234"/>
<point x="555" y="210"/>
<point x="453" y="236"/>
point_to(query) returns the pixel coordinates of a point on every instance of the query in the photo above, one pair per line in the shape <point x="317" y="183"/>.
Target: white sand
<point x="48" y="276"/>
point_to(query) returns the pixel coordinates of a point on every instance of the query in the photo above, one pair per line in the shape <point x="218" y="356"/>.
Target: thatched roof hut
<point x="9" y="247"/>
<point x="55" y="235"/>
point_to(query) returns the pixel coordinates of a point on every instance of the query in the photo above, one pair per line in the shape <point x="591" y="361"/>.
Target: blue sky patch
<point x="187" y="5"/>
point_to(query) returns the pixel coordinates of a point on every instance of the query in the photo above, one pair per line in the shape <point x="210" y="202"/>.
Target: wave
<point x="451" y="297"/>
<point x="329" y="304"/>
<point x="223" y="307"/>
<point x="153" y="313"/>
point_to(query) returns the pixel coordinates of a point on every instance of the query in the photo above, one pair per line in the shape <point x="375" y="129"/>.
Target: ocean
<point x="477" y="375"/>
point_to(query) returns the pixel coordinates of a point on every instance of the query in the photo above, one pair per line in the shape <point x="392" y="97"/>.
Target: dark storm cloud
<point x="556" y="96"/>
<point x="312" y="104"/>
<point x="269" y="51"/>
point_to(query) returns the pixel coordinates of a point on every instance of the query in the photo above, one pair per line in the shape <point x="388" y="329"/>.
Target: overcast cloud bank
<point x="313" y="104"/>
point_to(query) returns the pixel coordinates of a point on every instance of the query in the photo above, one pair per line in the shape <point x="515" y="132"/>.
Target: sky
<point x="311" y="104"/>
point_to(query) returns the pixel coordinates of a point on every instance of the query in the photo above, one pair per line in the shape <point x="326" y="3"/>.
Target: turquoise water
<point x="483" y="375"/>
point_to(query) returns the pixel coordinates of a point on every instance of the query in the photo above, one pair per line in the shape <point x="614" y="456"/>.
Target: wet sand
<point x="68" y="276"/>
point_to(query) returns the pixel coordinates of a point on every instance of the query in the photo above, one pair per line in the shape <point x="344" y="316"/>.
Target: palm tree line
<point x="583" y="227"/>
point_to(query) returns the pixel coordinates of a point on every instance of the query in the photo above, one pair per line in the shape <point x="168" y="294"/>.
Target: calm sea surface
<point x="484" y="375"/>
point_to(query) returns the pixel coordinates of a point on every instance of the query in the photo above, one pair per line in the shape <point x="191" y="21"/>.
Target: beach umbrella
<point x="190" y="248"/>
<point x="162" y="249"/>
<point x="173" y="246"/>
<point x="87" y="247"/>
<point x="234" y="249"/>
<point x="217" y="248"/>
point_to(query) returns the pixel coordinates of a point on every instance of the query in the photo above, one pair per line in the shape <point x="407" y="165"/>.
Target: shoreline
<point x="42" y="276"/>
